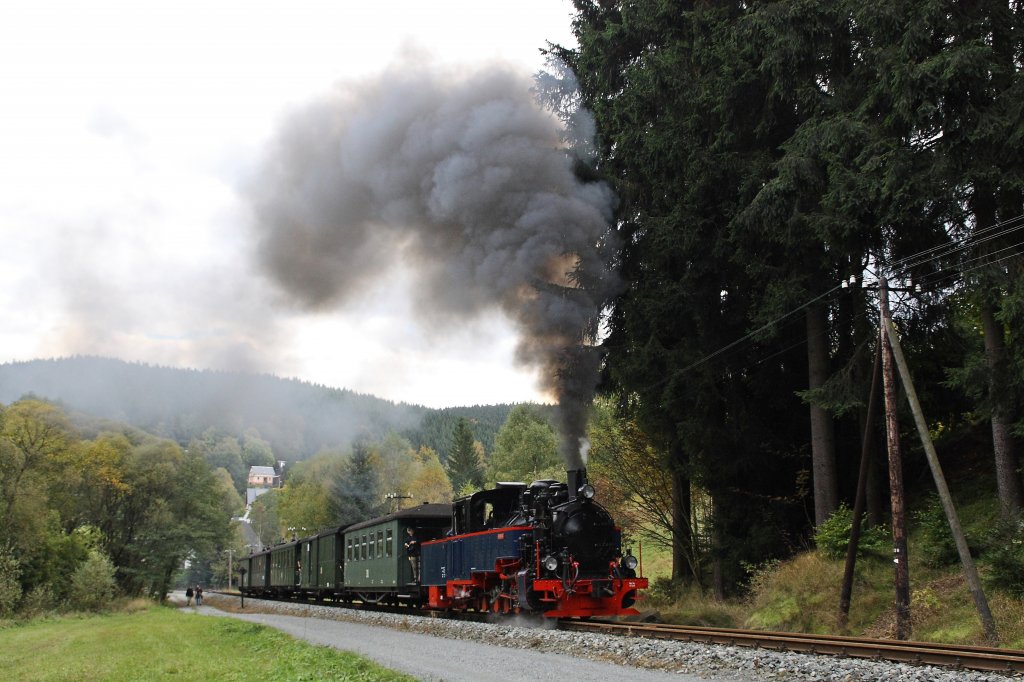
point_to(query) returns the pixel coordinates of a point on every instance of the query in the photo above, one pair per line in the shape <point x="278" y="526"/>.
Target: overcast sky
<point x="128" y="132"/>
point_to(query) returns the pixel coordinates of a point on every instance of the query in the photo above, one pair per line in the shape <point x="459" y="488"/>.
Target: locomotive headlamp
<point x="586" y="491"/>
<point x="629" y="561"/>
<point x="550" y="563"/>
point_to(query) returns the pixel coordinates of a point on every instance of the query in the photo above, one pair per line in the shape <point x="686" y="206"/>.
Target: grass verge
<point x="160" y="642"/>
<point x="802" y="595"/>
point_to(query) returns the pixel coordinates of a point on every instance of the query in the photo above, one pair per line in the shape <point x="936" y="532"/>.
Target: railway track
<point x="952" y="656"/>
<point x="944" y="655"/>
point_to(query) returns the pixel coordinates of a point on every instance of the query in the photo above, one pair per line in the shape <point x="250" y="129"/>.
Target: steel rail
<point x="925" y="653"/>
<point x="953" y="656"/>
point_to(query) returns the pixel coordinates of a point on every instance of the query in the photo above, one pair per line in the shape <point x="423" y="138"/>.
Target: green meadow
<point x="164" y="643"/>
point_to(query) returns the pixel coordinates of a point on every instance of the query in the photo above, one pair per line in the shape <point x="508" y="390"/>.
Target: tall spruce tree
<point x="979" y="85"/>
<point x="949" y="92"/>
<point x="464" y="467"/>
<point x="355" y="492"/>
<point x="687" y="139"/>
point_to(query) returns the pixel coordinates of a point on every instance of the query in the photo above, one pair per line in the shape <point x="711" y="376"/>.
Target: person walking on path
<point x="188" y="596"/>
<point x="199" y="595"/>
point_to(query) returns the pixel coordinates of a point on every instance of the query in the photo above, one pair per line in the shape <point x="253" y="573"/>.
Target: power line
<point x="1010" y="225"/>
<point x="995" y="231"/>
<point x="972" y="239"/>
<point x="757" y="331"/>
<point x="955" y="274"/>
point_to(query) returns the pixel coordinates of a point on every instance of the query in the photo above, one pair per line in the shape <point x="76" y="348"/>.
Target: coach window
<point x="388" y="543"/>
<point x="380" y="543"/>
<point x="348" y="549"/>
<point x="362" y="550"/>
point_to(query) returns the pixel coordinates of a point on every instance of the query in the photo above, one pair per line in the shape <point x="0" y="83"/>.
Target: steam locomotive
<point x="545" y="548"/>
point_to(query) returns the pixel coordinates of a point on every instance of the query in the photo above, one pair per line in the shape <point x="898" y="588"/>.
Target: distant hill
<point x="297" y="418"/>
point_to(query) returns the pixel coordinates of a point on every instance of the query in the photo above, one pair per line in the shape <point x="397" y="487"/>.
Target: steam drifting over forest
<point x="462" y="181"/>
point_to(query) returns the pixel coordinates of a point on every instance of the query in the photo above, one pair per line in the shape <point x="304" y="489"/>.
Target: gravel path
<point x="429" y="657"/>
<point x="422" y="647"/>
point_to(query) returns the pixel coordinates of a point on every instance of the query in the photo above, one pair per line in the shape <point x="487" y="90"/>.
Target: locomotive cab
<point x="486" y="509"/>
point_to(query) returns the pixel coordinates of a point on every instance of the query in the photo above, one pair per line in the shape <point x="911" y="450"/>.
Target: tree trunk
<point x="163" y="588"/>
<point x="718" y="572"/>
<point x="878" y="494"/>
<point x="823" y="446"/>
<point x="682" y="535"/>
<point x="901" y="567"/>
<point x="1011" y="495"/>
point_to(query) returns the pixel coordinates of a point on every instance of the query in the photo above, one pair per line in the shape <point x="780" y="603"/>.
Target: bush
<point x="1006" y="557"/>
<point x="937" y="546"/>
<point x="92" y="585"/>
<point x="833" y="536"/>
<point x="10" y="583"/>
<point x="665" y="591"/>
<point x="38" y="602"/>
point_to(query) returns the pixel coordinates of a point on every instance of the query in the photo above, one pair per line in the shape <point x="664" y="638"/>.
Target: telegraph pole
<point x="858" y="505"/>
<point x="396" y="499"/>
<point x="970" y="571"/>
<point x="899" y="524"/>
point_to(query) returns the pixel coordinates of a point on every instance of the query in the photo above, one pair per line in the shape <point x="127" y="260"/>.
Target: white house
<point x="263" y="477"/>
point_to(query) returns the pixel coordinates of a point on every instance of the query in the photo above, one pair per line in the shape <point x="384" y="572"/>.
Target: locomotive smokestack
<point x="578" y="485"/>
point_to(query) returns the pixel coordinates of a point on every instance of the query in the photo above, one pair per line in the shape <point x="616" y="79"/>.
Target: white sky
<point x="126" y="131"/>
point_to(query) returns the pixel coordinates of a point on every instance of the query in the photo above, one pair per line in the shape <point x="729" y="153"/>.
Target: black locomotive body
<point x="547" y="548"/>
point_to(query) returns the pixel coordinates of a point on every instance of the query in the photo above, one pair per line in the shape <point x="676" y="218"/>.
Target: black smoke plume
<point x="465" y="180"/>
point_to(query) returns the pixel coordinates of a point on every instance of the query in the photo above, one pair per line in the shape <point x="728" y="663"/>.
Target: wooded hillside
<point x="296" y="418"/>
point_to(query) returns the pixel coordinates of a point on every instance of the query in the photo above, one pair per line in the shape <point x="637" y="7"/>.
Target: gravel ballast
<point x="683" y="660"/>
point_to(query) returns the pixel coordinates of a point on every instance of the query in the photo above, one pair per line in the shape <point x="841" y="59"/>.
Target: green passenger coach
<point x="376" y="564"/>
<point x="330" y="566"/>
<point x="320" y="565"/>
<point x="284" y="565"/>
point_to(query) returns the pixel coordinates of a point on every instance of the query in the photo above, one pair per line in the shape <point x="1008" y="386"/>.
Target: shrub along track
<point x="943" y="655"/>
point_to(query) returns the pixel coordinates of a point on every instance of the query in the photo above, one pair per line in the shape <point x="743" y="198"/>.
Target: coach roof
<point x="432" y="512"/>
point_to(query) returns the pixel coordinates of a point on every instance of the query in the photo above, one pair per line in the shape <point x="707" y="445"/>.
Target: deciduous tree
<point x="429" y="482"/>
<point x="525" y="449"/>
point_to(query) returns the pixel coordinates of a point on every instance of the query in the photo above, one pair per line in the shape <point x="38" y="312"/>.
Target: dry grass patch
<point x="802" y="595"/>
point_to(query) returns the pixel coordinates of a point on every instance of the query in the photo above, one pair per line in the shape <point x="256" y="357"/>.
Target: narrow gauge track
<point x="922" y="653"/>
<point x="944" y="655"/>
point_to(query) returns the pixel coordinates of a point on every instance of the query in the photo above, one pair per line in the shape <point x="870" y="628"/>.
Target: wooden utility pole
<point x="892" y="429"/>
<point x="970" y="571"/>
<point x="230" y="567"/>
<point x="858" y="504"/>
